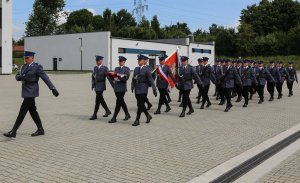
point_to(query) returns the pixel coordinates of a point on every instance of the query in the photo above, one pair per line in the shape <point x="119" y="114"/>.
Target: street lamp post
<point x="80" y="54"/>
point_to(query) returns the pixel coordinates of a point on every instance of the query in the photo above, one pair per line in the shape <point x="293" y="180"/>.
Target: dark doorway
<point x="152" y="63"/>
<point x="54" y="64"/>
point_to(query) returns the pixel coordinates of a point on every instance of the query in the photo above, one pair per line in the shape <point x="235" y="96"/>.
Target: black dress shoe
<point x="38" y="133"/>
<point x="107" y="114"/>
<point x="168" y="109"/>
<point x="179" y="100"/>
<point x="149" y="117"/>
<point x="113" y="120"/>
<point x="260" y="102"/>
<point x="202" y="106"/>
<point x="190" y="112"/>
<point x="238" y="100"/>
<point x="181" y="105"/>
<point x="10" y="134"/>
<point x="290" y="95"/>
<point x="198" y="101"/>
<point x="169" y="100"/>
<point x="149" y="107"/>
<point x="93" y="117"/>
<point x="221" y="103"/>
<point x="271" y="99"/>
<point x="182" y="114"/>
<point x="245" y="105"/>
<point x="157" y="112"/>
<point x="136" y="123"/>
<point x="127" y="117"/>
<point x="208" y="105"/>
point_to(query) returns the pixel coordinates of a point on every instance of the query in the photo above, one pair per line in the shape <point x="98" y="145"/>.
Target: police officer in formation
<point x="149" y="84"/>
<point x="99" y="85"/>
<point x="229" y="77"/>
<point x="248" y="77"/>
<point x="186" y="74"/>
<point x="207" y="75"/>
<point x="293" y="77"/>
<point x="162" y="84"/>
<point x="272" y="82"/>
<point x="29" y="75"/>
<point x="199" y="69"/>
<point x="140" y="83"/>
<point x="284" y="77"/>
<point x="237" y="88"/>
<point x="119" y="84"/>
<point x="262" y="76"/>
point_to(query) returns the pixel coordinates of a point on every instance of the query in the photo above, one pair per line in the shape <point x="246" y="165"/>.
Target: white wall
<point x="132" y="58"/>
<point x="68" y="47"/>
<point x="6" y="37"/>
<point x="194" y="56"/>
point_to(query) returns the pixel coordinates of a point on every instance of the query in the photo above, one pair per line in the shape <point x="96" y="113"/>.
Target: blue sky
<point x="197" y="13"/>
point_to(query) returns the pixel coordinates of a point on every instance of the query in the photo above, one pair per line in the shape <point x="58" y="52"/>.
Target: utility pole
<point x="139" y="9"/>
<point x="80" y="54"/>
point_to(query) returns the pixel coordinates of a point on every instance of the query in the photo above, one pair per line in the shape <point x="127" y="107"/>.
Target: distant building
<point x="77" y="51"/>
<point x="5" y="36"/>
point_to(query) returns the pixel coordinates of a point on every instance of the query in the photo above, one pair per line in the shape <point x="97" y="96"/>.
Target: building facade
<point x="5" y="36"/>
<point x="77" y="51"/>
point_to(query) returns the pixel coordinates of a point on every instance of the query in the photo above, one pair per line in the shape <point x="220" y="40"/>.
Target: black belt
<point x="101" y="81"/>
<point x="30" y="82"/>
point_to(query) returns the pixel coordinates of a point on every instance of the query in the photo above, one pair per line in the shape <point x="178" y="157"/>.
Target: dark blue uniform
<point x="262" y="75"/>
<point x="248" y="77"/>
<point x="206" y="76"/>
<point x="284" y="76"/>
<point x="293" y="77"/>
<point x="199" y="69"/>
<point x="272" y="82"/>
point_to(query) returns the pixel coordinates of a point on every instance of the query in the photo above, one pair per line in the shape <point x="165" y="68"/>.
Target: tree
<point x="124" y="19"/>
<point x="155" y="25"/>
<point x="44" y="19"/>
<point x="226" y="43"/>
<point x="246" y="40"/>
<point x="293" y="40"/>
<point x="81" y="18"/>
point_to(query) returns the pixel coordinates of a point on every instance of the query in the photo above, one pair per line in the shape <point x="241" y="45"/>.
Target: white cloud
<point x="92" y="11"/>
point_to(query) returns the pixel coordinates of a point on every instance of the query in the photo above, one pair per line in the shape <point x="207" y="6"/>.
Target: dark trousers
<point x="186" y="101"/>
<point x="222" y="94"/>
<point x="227" y="94"/>
<point x="120" y="103"/>
<point x="168" y="95"/>
<point x="162" y="97"/>
<point x="100" y="100"/>
<point x="279" y="88"/>
<point x="260" y="91"/>
<point x="271" y="88"/>
<point x="205" y="97"/>
<point x="239" y="91"/>
<point x="141" y="99"/>
<point x="252" y="89"/>
<point x="147" y="101"/>
<point x="28" y="105"/>
<point x="290" y="86"/>
<point x="218" y="90"/>
<point x="200" y="92"/>
<point x="246" y="90"/>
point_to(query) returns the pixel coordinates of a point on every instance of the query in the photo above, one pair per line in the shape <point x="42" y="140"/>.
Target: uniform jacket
<point x="120" y="83"/>
<point x="293" y="74"/>
<point x="29" y="75"/>
<point x="185" y="77"/>
<point x="248" y="76"/>
<point x="284" y="75"/>
<point x="207" y="74"/>
<point x="99" y="78"/>
<point x="230" y="77"/>
<point x="219" y="74"/>
<point x="160" y="83"/>
<point x="262" y="75"/>
<point x="275" y="74"/>
<point x="141" y="79"/>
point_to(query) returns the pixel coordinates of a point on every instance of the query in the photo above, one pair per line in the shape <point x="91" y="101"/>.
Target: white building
<point x="5" y="36"/>
<point x="77" y="51"/>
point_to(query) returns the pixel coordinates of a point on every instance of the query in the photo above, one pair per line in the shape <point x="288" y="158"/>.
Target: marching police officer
<point x="186" y="74"/>
<point x="262" y="75"/>
<point x="29" y="74"/>
<point x="293" y="77"/>
<point x="99" y="84"/>
<point x="248" y="77"/>
<point x="272" y="82"/>
<point x="149" y="84"/>
<point x="163" y="72"/>
<point x="206" y="76"/>
<point x="219" y="75"/>
<point x="253" y="87"/>
<point x="141" y="78"/>
<point x="284" y="76"/>
<point x="120" y="88"/>
<point x="237" y="88"/>
<point x="199" y="69"/>
<point x="230" y="76"/>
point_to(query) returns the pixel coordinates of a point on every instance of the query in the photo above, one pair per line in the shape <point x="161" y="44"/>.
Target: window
<point x="197" y="50"/>
<point x="0" y="18"/>
<point x="140" y="51"/>
<point x="0" y="56"/>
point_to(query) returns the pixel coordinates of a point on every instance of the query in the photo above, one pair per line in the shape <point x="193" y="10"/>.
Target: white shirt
<point x="99" y="66"/>
<point x="31" y="64"/>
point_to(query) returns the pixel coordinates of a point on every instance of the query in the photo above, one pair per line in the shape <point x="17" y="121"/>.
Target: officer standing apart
<point x="29" y="74"/>
<point x="99" y="84"/>
<point x="293" y="77"/>
<point x="186" y="74"/>
<point x="206" y="76"/>
<point x="163" y="85"/>
<point x="120" y="87"/>
<point x="141" y="78"/>
<point x="247" y="77"/>
<point x="262" y="75"/>
<point x="230" y="76"/>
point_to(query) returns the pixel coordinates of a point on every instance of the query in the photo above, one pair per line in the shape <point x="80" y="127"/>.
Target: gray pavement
<point x="287" y="172"/>
<point x="169" y="149"/>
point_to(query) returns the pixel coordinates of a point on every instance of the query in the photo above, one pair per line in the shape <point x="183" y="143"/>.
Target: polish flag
<point x="173" y="61"/>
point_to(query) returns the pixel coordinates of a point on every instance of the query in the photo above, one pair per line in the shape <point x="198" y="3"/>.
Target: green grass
<point x="18" y="61"/>
<point x="266" y="59"/>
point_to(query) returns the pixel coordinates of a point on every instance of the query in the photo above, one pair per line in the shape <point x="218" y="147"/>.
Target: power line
<point x="139" y="9"/>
